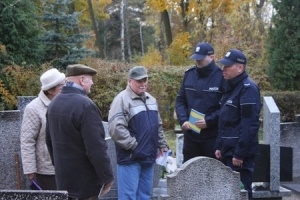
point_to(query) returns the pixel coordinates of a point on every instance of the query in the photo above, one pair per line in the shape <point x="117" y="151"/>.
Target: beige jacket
<point x="34" y="152"/>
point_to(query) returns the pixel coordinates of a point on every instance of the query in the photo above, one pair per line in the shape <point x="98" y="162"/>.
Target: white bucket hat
<point x="51" y="78"/>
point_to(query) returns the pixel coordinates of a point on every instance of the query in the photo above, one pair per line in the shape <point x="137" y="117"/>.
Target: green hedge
<point x="164" y="83"/>
<point x="288" y="103"/>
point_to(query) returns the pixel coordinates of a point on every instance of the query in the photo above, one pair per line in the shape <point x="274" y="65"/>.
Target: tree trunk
<point x="96" y="29"/>
<point x="184" y="4"/>
<point x="127" y="31"/>
<point x="141" y="36"/>
<point x="166" y="21"/>
<point x="122" y="29"/>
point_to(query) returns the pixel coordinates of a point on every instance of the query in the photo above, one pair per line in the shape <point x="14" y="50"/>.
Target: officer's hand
<point x="237" y="162"/>
<point x="201" y="124"/>
<point x="186" y="126"/>
<point x="218" y="154"/>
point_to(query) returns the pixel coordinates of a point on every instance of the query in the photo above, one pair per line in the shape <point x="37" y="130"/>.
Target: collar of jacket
<point x="72" y="89"/>
<point x="44" y="98"/>
<point x="205" y="71"/>
<point x="231" y="83"/>
<point x="134" y="95"/>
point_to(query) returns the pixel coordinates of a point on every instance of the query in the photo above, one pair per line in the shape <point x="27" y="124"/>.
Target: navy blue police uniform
<point x="201" y="89"/>
<point x="238" y="125"/>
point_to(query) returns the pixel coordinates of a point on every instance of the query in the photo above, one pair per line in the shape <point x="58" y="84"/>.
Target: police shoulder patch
<point x="189" y="69"/>
<point x="247" y="83"/>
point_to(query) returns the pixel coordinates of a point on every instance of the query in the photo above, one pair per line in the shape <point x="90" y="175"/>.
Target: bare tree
<point x="127" y="35"/>
<point x="96" y="28"/>
<point x="122" y="18"/>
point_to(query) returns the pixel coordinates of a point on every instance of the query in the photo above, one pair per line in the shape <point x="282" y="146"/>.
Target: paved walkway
<point x="294" y="186"/>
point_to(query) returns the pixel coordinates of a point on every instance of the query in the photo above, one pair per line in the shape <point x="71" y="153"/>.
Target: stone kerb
<point x="206" y="179"/>
<point x="33" y="194"/>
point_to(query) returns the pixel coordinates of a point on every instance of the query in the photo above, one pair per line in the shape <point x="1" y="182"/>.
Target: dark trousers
<point x="246" y="172"/>
<point x="193" y="148"/>
<point x="46" y="182"/>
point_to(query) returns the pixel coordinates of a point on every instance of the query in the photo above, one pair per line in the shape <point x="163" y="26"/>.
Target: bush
<point x="112" y="78"/>
<point x="288" y="103"/>
<point x="164" y="83"/>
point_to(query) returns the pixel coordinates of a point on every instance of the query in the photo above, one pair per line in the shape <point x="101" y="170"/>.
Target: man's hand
<point x="186" y="126"/>
<point x="106" y="188"/>
<point x="162" y="151"/>
<point x="201" y="124"/>
<point x="237" y="162"/>
<point x="31" y="176"/>
<point x="218" y="154"/>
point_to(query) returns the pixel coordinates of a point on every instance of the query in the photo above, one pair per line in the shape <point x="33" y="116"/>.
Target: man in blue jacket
<point x="135" y="126"/>
<point x="237" y="142"/>
<point x="201" y="90"/>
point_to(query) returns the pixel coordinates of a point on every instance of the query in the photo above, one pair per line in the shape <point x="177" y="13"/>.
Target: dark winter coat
<point x="76" y="141"/>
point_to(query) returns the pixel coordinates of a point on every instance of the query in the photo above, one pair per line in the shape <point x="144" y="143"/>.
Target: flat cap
<point x="79" y="69"/>
<point x="138" y="73"/>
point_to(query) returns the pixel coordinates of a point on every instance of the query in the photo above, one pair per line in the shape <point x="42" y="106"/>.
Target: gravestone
<point x="271" y="136"/>
<point x="33" y="194"/>
<point x="179" y="148"/>
<point x="11" y="174"/>
<point x="22" y="103"/>
<point x="290" y="136"/>
<point x="262" y="164"/>
<point x="111" y="151"/>
<point x="105" y="125"/>
<point x="206" y="179"/>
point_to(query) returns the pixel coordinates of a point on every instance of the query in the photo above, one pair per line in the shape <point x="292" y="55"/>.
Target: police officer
<point x="201" y="90"/>
<point x="237" y="142"/>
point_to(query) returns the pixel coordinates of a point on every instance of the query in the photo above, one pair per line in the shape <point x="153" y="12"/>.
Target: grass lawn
<point x="171" y="139"/>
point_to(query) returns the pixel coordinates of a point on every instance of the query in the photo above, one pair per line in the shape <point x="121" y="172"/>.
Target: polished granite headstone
<point x="204" y="178"/>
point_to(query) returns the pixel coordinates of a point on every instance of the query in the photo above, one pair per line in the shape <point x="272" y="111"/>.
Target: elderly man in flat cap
<point x="76" y="139"/>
